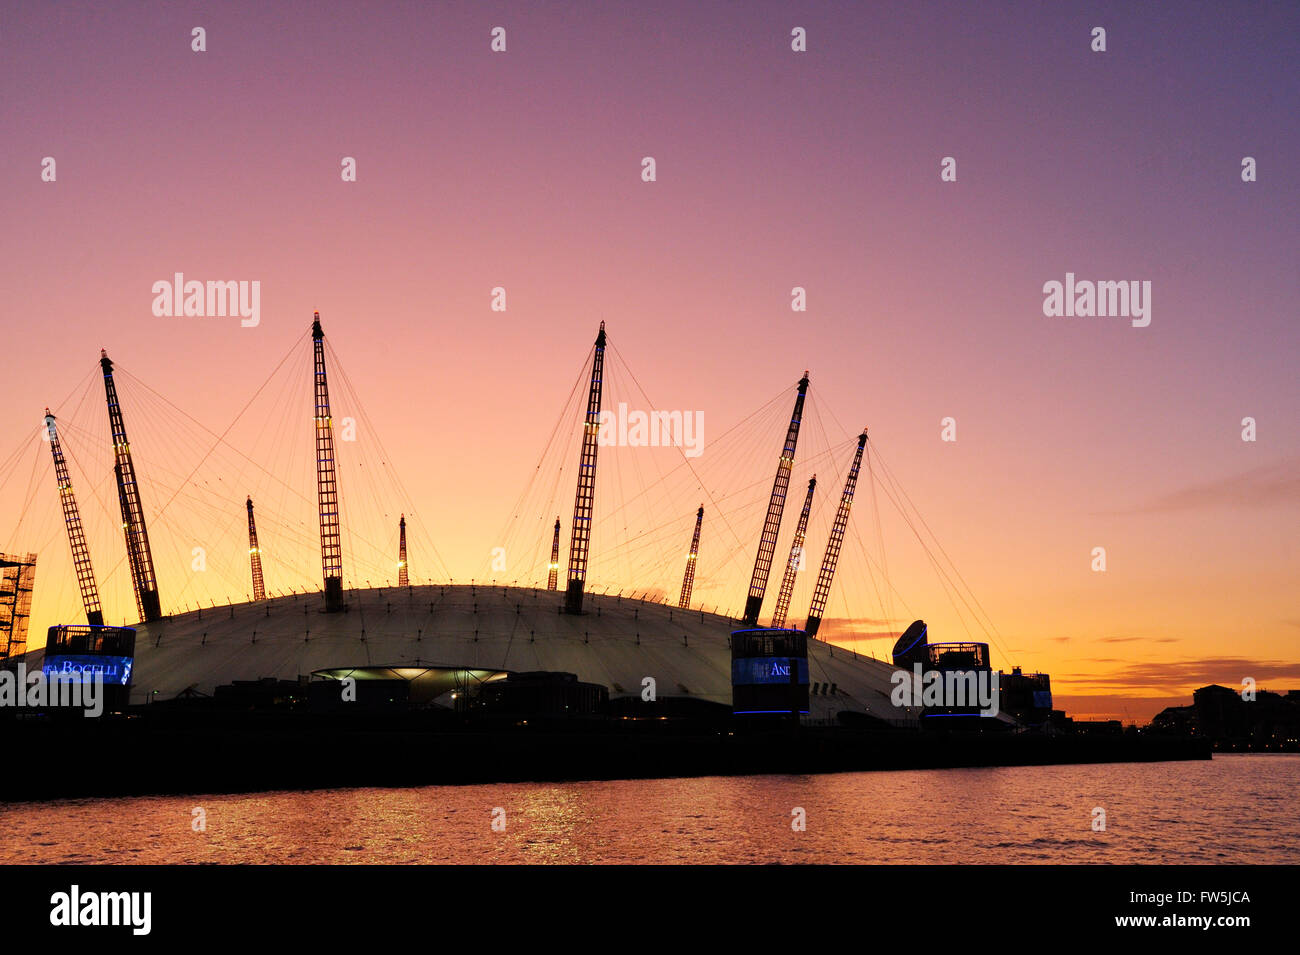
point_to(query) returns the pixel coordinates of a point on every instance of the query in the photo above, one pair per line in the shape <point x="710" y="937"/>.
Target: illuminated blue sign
<point x="751" y="671"/>
<point x="79" y="667"/>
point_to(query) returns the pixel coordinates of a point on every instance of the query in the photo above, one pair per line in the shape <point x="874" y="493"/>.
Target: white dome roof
<point x="615" y="641"/>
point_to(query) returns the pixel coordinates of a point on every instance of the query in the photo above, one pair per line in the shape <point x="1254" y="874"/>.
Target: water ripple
<point x="1235" y="808"/>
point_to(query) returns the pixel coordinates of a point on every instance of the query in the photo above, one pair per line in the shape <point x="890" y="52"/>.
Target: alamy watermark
<point x="193" y="299"/>
<point x="652" y="429"/>
<point x="127" y="909"/>
<point x="74" y="689"/>
<point x="1086" y="299"/>
<point x="946" y="688"/>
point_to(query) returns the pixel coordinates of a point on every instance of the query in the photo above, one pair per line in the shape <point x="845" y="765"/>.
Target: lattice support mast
<point x="140" y="556"/>
<point x="688" y="578"/>
<point x="17" y="577"/>
<point x="792" y="565"/>
<point x="580" y="539"/>
<point x="76" y="534"/>
<point x="772" y="525"/>
<point x="255" y="556"/>
<point x="553" y="568"/>
<point x="823" y="591"/>
<point x="327" y="487"/>
<point x="132" y="556"/>
<point x="403" y="576"/>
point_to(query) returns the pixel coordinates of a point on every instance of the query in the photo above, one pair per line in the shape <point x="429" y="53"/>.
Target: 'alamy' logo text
<point x="945" y="688"/>
<point x="652" y="429"/>
<point x="195" y="299"/>
<point x="81" y="690"/>
<point x="76" y="907"/>
<point x="1084" y="299"/>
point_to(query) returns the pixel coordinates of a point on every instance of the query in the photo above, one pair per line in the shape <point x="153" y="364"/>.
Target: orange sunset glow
<point x="461" y="406"/>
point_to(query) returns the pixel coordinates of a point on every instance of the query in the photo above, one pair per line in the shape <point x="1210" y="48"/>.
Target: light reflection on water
<point x="1237" y="808"/>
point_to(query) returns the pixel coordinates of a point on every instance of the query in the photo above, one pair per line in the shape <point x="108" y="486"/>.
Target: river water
<point x="1236" y="808"/>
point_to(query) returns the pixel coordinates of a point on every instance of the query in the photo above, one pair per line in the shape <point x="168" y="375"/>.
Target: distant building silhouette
<point x="1269" y="722"/>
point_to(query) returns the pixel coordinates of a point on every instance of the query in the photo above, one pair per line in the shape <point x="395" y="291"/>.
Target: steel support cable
<point x="986" y="624"/>
<point x="742" y="461"/>
<point x="30" y="495"/>
<point x="888" y="474"/>
<point x="754" y="456"/>
<point x="671" y="522"/>
<point x="665" y="554"/>
<point x="938" y="544"/>
<point x="685" y="459"/>
<point x="294" y="513"/>
<point x="280" y="538"/>
<point x="620" y="497"/>
<point x="161" y="556"/>
<point x="105" y="543"/>
<point x="144" y="411"/>
<point x="104" y="578"/>
<point x="542" y="502"/>
<point x="512" y="516"/>
<point x="875" y="507"/>
<point x="201" y="496"/>
<point x="951" y="590"/>
<point x="637" y="472"/>
<point x="211" y="559"/>
<point x="829" y="553"/>
<point x="945" y="582"/>
<point x="886" y="608"/>
<point x="888" y="583"/>
<point x="45" y="529"/>
<point x="755" y="441"/>
<point x="288" y="408"/>
<point x="545" y="529"/>
<point x="385" y="461"/>
<point x="221" y="437"/>
<point x="372" y="557"/>
<point x="534" y="500"/>
<point x="12" y="470"/>
<point x="168" y="442"/>
<point x="11" y="460"/>
<point x="10" y="466"/>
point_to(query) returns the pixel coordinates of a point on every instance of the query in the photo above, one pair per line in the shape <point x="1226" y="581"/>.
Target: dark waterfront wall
<point x="199" y="753"/>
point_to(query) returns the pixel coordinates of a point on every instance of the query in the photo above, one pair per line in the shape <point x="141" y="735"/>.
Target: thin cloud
<point x="1176" y="676"/>
<point x="1128" y="709"/>
<point x="1137" y="639"/>
<point x="1264" y="486"/>
<point x="859" y="622"/>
